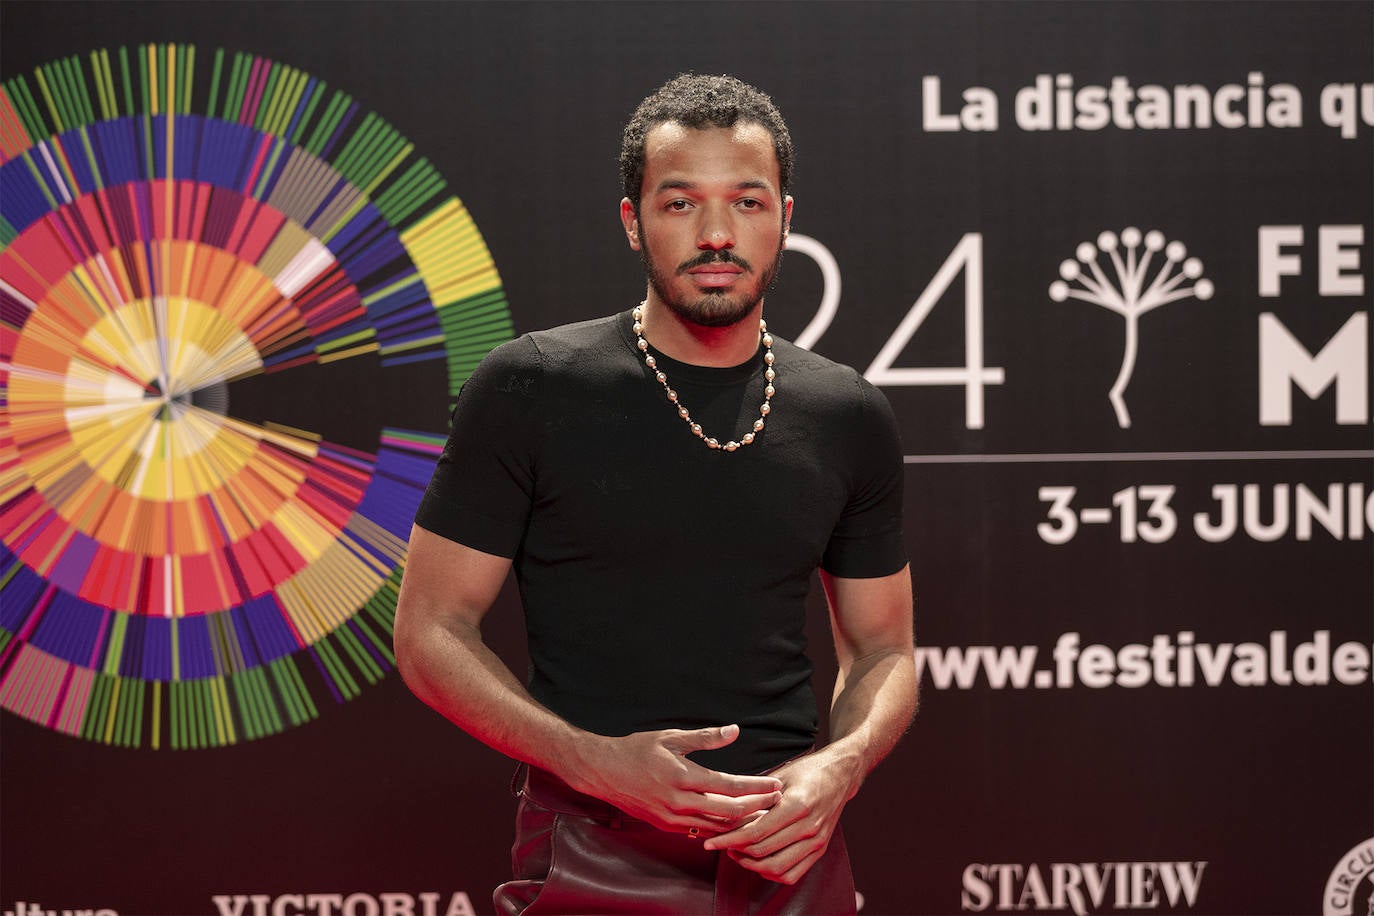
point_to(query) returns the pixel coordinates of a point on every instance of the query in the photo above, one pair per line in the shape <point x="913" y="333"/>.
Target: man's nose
<point x="716" y="231"/>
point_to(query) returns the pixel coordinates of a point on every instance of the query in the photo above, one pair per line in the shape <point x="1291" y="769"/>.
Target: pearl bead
<point x="764" y="408"/>
<point x="768" y="357"/>
<point x="769" y="374"/>
<point x="639" y="329"/>
<point x="643" y="344"/>
<point x="696" y="427"/>
<point x="768" y="391"/>
<point x="712" y="443"/>
<point x="746" y="438"/>
<point x="650" y="362"/>
<point x="758" y="426"/>
<point x="672" y="395"/>
<point x="768" y="340"/>
<point x="660" y="376"/>
<point x="730" y="446"/>
<point x="682" y="412"/>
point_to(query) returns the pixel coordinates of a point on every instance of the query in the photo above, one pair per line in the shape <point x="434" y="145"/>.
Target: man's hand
<point x="784" y="842"/>
<point x="647" y="775"/>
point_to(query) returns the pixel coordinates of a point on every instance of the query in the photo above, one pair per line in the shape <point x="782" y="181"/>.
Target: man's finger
<point x="731" y="808"/>
<point x="779" y="867"/>
<point x="779" y="823"/>
<point x="714" y="782"/>
<point x="775" y="842"/>
<point x="684" y="741"/>
<point x="794" y="874"/>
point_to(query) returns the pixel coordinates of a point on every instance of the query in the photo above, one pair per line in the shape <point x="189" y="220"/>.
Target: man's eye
<point x="678" y="205"/>
<point x="750" y="203"/>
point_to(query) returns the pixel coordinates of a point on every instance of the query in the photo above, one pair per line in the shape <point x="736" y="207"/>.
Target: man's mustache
<point x="723" y="256"/>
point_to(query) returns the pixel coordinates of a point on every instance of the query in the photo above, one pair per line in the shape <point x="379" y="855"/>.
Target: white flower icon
<point x="1129" y="296"/>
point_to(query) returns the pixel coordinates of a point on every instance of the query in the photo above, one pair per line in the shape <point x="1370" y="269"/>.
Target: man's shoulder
<point x="593" y="334"/>
<point x="552" y="350"/>
<point x="835" y="396"/>
<point x="818" y="374"/>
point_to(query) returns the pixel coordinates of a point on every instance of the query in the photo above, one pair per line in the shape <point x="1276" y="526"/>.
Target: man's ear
<point x="786" y="215"/>
<point x="630" y="221"/>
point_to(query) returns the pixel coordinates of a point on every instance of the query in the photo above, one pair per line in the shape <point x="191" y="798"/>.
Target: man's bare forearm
<point x="873" y="705"/>
<point x="875" y="690"/>
<point x="449" y="667"/>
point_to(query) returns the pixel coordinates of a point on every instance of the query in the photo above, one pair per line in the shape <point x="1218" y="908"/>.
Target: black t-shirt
<point x="664" y="582"/>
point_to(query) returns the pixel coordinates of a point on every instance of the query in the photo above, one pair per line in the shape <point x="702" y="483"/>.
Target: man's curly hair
<point x="700" y="101"/>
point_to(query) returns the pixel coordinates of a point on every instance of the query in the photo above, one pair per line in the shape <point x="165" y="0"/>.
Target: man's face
<point x="711" y="221"/>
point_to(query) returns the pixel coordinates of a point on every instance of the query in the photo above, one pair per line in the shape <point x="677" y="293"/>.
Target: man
<point x="665" y="481"/>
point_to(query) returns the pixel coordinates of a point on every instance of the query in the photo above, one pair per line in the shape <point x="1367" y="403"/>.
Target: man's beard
<point x="715" y="308"/>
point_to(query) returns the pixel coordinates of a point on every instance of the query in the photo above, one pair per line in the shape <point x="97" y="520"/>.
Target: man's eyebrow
<point x="684" y="185"/>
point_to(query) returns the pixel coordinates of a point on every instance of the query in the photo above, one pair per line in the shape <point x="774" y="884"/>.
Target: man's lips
<point x="715" y="274"/>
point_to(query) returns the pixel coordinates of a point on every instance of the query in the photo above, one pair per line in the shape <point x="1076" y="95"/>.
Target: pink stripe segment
<point x="79" y="689"/>
<point x="254" y="94"/>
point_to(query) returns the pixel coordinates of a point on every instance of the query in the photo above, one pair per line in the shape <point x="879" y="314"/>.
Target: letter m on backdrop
<point x="1283" y="361"/>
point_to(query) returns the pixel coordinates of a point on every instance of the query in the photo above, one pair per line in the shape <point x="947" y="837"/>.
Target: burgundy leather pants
<point x="577" y="854"/>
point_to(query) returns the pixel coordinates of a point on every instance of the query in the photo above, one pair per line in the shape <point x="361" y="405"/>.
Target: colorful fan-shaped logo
<point x="174" y="573"/>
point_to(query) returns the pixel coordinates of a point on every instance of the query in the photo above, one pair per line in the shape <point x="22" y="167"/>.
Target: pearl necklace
<point x="764" y="408"/>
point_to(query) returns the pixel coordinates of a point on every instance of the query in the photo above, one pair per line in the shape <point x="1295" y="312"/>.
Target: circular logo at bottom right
<point x="1350" y="889"/>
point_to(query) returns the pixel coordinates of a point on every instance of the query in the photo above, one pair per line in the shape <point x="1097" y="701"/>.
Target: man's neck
<point x="699" y="345"/>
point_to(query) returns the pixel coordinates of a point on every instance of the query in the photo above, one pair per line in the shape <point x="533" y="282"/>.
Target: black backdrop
<point x="1006" y="794"/>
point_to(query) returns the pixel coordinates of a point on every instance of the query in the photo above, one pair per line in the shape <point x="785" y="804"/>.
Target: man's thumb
<point x="705" y="739"/>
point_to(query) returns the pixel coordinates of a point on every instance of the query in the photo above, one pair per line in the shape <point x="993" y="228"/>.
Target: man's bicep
<point x="447" y="582"/>
<point x="870" y="614"/>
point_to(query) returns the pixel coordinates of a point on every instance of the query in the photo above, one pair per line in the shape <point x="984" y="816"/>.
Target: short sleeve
<point x="481" y="490"/>
<point x="867" y="540"/>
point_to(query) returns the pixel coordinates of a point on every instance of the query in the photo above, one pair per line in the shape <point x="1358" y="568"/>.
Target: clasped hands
<point x="777" y="825"/>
